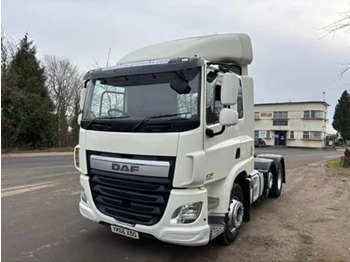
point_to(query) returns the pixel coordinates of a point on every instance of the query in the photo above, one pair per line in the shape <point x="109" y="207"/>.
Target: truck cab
<point x="166" y="144"/>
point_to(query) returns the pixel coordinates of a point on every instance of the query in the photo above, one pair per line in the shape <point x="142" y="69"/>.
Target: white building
<point x="293" y="124"/>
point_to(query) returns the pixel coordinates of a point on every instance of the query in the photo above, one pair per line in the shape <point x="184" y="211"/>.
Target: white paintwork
<point x="132" y="143"/>
<point x="229" y="88"/>
<point x="215" y="48"/>
<point x="205" y="167"/>
<point x="228" y="117"/>
<point x="190" y="159"/>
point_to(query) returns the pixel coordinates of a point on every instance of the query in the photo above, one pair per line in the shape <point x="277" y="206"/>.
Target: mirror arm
<point x="209" y="132"/>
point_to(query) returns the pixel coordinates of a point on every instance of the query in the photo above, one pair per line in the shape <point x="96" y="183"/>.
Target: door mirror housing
<point x="229" y="88"/>
<point x="82" y="98"/>
<point x="228" y="117"/>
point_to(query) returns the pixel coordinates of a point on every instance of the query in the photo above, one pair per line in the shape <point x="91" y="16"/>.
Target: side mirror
<point x="228" y="117"/>
<point x="82" y="98"/>
<point x="229" y="89"/>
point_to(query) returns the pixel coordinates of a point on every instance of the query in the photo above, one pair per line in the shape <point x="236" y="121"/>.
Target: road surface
<point x="41" y="220"/>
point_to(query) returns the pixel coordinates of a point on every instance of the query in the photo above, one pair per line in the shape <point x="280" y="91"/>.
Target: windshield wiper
<point x="104" y="117"/>
<point x="146" y="119"/>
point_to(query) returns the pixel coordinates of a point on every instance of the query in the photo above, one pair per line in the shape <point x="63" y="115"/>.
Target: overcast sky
<point x="292" y="62"/>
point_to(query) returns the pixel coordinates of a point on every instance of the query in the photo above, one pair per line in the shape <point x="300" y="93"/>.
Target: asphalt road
<point x="295" y="157"/>
<point x="41" y="220"/>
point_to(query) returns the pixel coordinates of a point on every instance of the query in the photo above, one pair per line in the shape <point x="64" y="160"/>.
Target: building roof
<point x="292" y="103"/>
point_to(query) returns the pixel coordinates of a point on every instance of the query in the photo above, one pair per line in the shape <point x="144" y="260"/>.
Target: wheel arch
<point x="261" y="164"/>
<point x="238" y="175"/>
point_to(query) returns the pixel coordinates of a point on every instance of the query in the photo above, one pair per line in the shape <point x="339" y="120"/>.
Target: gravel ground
<point x="309" y="222"/>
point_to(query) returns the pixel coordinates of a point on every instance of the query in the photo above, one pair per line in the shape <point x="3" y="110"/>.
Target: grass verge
<point x="334" y="165"/>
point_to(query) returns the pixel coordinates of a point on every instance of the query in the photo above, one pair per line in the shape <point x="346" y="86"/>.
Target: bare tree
<point x="75" y="111"/>
<point x="63" y="81"/>
<point x="8" y="50"/>
<point x="342" y="24"/>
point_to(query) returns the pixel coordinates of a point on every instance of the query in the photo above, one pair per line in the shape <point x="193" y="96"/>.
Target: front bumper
<point x="193" y="234"/>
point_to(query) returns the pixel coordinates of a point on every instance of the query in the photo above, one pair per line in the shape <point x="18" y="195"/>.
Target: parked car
<point x="259" y="142"/>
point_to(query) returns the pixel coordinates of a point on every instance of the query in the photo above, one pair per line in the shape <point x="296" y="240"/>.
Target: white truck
<point x="166" y="145"/>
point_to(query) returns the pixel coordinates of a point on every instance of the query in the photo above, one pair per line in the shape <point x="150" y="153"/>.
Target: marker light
<point x="76" y="156"/>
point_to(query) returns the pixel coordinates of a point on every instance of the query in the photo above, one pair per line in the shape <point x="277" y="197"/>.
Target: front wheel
<point x="234" y="216"/>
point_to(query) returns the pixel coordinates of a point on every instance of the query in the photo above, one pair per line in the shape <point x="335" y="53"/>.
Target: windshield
<point x="163" y="102"/>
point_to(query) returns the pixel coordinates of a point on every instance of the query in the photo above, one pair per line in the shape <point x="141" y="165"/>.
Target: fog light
<point x="83" y="196"/>
<point x="187" y="213"/>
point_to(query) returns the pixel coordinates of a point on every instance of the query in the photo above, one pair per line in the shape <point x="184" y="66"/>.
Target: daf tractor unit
<point x="166" y="145"/>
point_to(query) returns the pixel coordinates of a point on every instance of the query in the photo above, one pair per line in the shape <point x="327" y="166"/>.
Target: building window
<point x="291" y="134"/>
<point x="262" y="134"/>
<point x="280" y="122"/>
<point x="256" y="115"/>
<point x="315" y="135"/>
<point x="313" y="114"/>
<point x="280" y="114"/>
<point x="256" y="134"/>
<point x="268" y="134"/>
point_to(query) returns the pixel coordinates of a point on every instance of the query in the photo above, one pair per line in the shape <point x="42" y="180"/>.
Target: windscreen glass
<point x="157" y="102"/>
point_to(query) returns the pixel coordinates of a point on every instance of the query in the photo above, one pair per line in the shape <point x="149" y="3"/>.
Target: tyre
<point x="269" y="179"/>
<point x="277" y="182"/>
<point x="234" y="216"/>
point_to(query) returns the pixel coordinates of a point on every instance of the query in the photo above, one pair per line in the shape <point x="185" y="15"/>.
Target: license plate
<point x="125" y="232"/>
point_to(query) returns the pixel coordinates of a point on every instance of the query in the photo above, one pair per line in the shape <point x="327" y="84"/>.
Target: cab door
<point x="224" y="150"/>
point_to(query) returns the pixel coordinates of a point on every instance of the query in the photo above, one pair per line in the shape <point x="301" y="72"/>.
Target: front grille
<point x="129" y="198"/>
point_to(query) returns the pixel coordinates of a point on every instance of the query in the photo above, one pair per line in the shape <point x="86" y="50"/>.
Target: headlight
<point x="187" y="213"/>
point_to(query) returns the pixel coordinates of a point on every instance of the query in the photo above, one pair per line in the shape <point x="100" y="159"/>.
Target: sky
<point x="293" y="59"/>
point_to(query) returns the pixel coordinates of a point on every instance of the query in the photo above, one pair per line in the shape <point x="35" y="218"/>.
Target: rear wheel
<point x="277" y="182"/>
<point x="234" y="216"/>
<point x="269" y="183"/>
